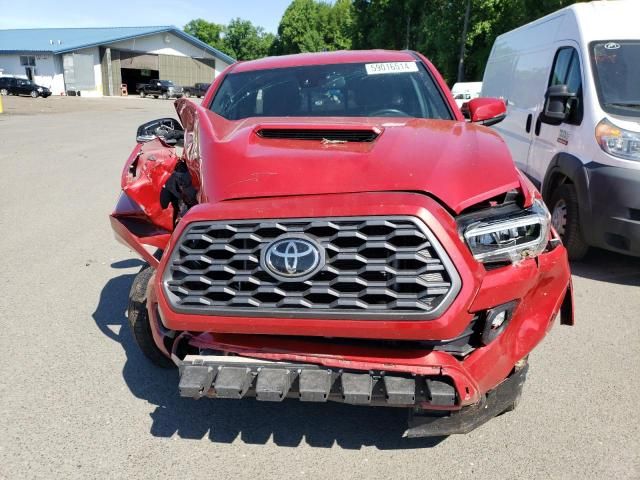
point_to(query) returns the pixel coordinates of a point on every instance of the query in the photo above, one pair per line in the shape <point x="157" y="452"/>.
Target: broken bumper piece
<point x="499" y="400"/>
<point x="237" y="377"/>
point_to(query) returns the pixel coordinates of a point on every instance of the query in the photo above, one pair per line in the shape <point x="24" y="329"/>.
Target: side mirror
<point x="558" y="103"/>
<point x="485" y="111"/>
<point x="169" y="129"/>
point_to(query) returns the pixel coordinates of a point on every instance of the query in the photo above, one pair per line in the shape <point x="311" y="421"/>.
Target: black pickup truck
<point x="159" y="88"/>
<point x="198" y="90"/>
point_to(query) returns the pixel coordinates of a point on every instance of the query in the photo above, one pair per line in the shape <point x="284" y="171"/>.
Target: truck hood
<point x="458" y="163"/>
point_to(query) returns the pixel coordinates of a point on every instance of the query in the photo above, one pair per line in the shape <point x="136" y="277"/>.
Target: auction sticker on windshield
<point x="391" y="67"/>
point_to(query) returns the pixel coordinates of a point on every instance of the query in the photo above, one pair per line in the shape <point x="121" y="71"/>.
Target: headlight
<point x="39" y="89"/>
<point x="507" y="233"/>
<point x="617" y="141"/>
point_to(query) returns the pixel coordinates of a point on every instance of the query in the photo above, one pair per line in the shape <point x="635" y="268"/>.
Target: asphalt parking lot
<point x="78" y="400"/>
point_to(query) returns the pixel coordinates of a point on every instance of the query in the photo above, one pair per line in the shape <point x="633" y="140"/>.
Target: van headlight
<point x="617" y="141"/>
<point x="506" y="233"/>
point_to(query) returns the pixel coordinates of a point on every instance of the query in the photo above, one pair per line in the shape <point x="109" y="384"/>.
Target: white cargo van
<point x="464" y="91"/>
<point x="571" y="81"/>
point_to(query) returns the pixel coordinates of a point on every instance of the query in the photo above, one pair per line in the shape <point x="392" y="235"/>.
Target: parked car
<point x="160" y="88"/>
<point x="333" y="229"/>
<point x="22" y="86"/>
<point x="464" y="91"/>
<point x="198" y="90"/>
<point x="573" y="123"/>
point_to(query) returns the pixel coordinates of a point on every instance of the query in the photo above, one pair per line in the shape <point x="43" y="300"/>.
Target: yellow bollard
<point x="1" y="110"/>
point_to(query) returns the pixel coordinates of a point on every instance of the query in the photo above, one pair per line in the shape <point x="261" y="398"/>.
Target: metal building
<point x="99" y="61"/>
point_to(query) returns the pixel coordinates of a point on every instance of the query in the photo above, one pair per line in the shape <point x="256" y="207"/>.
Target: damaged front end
<point x="417" y="304"/>
<point x="157" y="189"/>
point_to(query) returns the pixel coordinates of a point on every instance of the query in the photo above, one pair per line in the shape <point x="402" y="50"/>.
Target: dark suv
<point x="21" y="86"/>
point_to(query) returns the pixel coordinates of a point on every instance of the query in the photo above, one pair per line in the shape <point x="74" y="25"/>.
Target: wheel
<point x="139" y="320"/>
<point x="4" y="92"/>
<point x="565" y="218"/>
<point x="141" y="93"/>
<point x="187" y="94"/>
<point x="155" y="96"/>
<point x="34" y="94"/>
<point x="164" y="96"/>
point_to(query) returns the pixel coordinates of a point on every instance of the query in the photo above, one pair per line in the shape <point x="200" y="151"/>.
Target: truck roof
<point x="325" y="58"/>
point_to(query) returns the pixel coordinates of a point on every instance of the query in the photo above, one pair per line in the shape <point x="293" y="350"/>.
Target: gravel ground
<point x="77" y="399"/>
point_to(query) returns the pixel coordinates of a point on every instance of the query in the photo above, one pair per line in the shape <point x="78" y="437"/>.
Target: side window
<point x="566" y="71"/>
<point x="561" y="66"/>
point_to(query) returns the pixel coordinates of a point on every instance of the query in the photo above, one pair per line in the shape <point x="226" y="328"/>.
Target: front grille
<point x="375" y="267"/>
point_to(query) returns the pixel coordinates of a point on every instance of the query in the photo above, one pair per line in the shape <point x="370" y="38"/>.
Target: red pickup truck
<point x="329" y="227"/>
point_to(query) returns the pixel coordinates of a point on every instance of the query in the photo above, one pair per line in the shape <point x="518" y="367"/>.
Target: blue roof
<point x="61" y="40"/>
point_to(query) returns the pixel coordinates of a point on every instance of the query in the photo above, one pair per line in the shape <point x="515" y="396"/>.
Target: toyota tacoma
<point x="329" y="227"/>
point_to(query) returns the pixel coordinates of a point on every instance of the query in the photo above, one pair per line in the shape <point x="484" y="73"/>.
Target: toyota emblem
<point x="293" y="258"/>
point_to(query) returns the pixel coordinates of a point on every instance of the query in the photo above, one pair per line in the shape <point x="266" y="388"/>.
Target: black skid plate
<point x="239" y="377"/>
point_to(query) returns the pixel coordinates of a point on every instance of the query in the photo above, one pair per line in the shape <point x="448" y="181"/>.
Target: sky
<point x="125" y="13"/>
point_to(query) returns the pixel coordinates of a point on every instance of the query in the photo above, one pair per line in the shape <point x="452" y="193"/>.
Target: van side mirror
<point x="485" y="111"/>
<point x="169" y="129"/>
<point x="558" y="103"/>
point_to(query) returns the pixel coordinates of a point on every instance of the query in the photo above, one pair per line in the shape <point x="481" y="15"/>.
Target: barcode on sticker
<point x="391" y="67"/>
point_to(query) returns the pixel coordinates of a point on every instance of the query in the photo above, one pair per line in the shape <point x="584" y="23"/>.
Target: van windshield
<point x="617" y="70"/>
<point x="397" y="89"/>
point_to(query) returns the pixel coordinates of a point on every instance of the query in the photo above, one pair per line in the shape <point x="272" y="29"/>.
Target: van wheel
<point x="139" y="320"/>
<point x="565" y="219"/>
<point x="164" y="96"/>
<point x="187" y="94"/>
<point x="4" y="92"/>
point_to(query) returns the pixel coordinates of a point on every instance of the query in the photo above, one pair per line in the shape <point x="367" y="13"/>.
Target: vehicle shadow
<point x="253" y="422"/>
<point x="611" y="267"/>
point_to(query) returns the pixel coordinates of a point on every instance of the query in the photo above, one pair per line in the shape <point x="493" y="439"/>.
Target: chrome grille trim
<point x="376" y="268"/>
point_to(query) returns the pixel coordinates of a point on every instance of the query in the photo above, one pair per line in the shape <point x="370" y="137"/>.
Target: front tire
<point x="187" y="94"/>
<point x="4" y="92"/>
<point x="142" y="94"/>
<point x="565" y="218"/>
<point x="139" y="320"/>
<point x="33" y="94"/>
<point x="164" y="96"/>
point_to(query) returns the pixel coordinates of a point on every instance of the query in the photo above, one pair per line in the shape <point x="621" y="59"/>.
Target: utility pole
<point x="463" y="41"/>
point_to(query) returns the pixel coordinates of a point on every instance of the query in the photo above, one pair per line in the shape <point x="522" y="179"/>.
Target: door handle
<point x="538" y="125"/>
<point x="529" y="119"/>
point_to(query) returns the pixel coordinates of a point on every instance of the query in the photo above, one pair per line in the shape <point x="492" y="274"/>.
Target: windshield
<point x="166" y="83"/>
<point x="617" y="70"/>
<point x="398" y="89"/>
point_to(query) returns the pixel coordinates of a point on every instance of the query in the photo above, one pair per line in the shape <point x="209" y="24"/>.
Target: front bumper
<point x="541" y="287"/>
<point x="615" y="209"/>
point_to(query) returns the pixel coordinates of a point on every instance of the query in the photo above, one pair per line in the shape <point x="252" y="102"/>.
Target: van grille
<point x="374" y="267"/>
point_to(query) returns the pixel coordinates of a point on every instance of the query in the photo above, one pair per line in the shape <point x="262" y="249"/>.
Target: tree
<point x="207" y="32"/>
<point x="315" y="26"/>
<point x="298" y="29"/>
<point x="338" y="30"/>
<point x="244" y="41"/>
<point x="435" y="28"/>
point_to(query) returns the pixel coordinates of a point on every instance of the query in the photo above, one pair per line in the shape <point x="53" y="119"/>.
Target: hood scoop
<point x="325" y="135"/>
